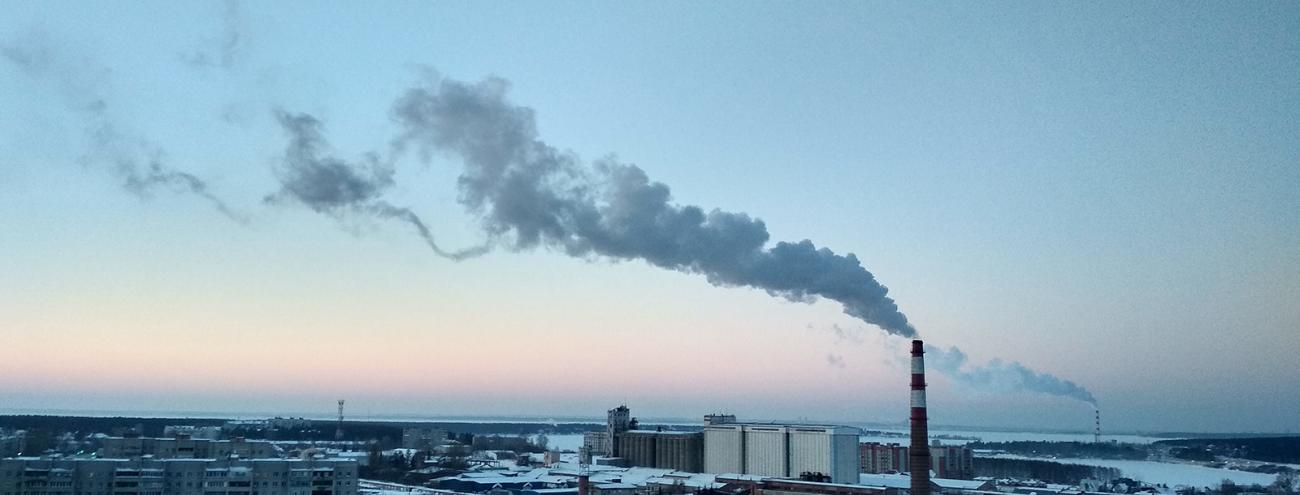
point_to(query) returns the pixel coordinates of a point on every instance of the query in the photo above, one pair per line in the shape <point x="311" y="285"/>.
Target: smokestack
<point x="1096" y="433"/>
<point x="920" y="451"/>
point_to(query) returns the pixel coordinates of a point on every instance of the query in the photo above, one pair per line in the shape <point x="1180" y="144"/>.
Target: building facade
<point x="952" y="461"/>
<point x="719" y="419"/>
<point x="31" y="476"/>
<point x="955" y="462"/>
<point x="185" y="447"/>
<point x="12" y="442"/>
<point x="618" y="420"/>
<point x="595" y="442"/>
<point x="881" y="458"/>
<point x="678" y="450"/>
<point x="423" y="438"/>
<point x="782" y="451"/>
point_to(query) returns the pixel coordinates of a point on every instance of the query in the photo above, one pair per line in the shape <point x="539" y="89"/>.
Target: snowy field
<point x="1168" y="473"/>
<point x="562" y="442"/>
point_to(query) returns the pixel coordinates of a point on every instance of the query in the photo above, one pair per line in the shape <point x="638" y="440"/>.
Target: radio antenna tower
<point x="338" y="432"/>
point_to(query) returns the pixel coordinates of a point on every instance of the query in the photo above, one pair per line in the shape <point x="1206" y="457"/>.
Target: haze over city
<point x="1106" y="193"/>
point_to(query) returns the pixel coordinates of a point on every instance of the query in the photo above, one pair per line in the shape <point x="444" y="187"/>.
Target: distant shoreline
<point x="418" y="419"/>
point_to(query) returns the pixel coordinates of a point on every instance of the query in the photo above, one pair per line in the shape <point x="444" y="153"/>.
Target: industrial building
<point x="677" y="450"/>
<point x="719" y="419"/>
<point x="605" y="443"/>
<point x="783" y="451"/>
<point x="32" y="476"/>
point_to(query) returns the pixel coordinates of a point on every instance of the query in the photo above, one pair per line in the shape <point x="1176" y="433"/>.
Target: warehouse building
<point x="783" y="451"/>
<point x="678" y="450"/>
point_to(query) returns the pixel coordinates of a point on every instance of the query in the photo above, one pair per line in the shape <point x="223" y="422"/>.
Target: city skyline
<point x="1104" y="193"/>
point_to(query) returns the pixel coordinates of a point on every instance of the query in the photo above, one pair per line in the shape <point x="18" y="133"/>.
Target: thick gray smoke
<point x="139" y="164"/>
<point x="335" y="187"/>
<point x="530" y="193"/>
<point x="998" y="375"/>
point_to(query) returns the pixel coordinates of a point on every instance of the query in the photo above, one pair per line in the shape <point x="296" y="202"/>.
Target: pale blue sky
<point x="1107" y="191"/>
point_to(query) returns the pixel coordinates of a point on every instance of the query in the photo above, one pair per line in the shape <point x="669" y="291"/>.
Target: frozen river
<point x="1168" y="473"/>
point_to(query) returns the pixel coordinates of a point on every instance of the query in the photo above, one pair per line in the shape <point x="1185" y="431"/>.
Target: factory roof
<point x="663" y="432"/>
<point x="819" y="483"/>
<point x="779" y="426"/>
<point x="959" y="484"/>
<point x="886" y="480"/>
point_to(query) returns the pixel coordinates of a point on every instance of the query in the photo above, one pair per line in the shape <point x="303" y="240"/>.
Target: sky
<point x="1108" y="192"/>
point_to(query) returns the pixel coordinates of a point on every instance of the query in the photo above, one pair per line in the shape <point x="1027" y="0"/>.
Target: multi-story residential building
<point x="33" y="476"/>
<point x="947" y="461"/>
<point x="952" y="461"/>
<point x="782" y="450"/>
<point x="879" y="458"/>
<point x="12" y="442"/>
<point x="423" y="438"/>
<point x="196" y="432"/>
<point x="185" y="447"/>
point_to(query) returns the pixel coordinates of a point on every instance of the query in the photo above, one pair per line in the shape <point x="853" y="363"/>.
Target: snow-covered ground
<point x="561" y="442"/>
<point x="1166" y="472"/>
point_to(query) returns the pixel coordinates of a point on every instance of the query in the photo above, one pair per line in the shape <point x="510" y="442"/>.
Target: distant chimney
<point x="920" y="450"/>
<point x="1096" y="433"/>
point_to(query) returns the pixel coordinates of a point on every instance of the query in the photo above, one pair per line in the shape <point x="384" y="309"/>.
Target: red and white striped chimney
<point x="919" y="454"/>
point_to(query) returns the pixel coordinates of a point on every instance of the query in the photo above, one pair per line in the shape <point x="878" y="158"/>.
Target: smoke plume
<point x="998" y="375"/>
<point x="528" y="193"/>
<point x="138" y="163"/>
<point x="335" y="187"/>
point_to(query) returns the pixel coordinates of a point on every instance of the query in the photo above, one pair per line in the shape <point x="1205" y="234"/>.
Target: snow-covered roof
<point x="885" y="480"/>
<point x="693" y="482"/>
<point x="820" y="483"/>
<point x="742" y="477"/>
<point x="957" y="484"/>
<point x="614" y="486"/>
